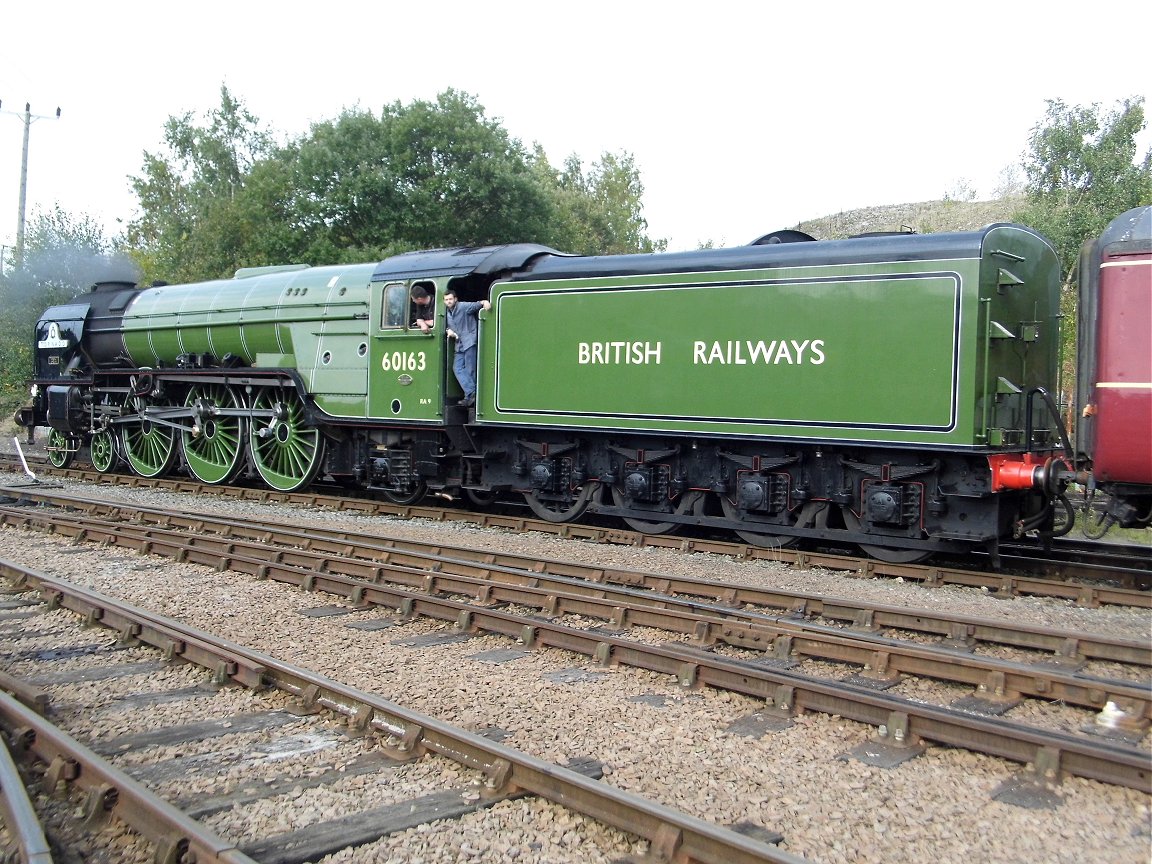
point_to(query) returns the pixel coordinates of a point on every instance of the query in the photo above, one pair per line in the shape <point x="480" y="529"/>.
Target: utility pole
<point x="28" y="118"/>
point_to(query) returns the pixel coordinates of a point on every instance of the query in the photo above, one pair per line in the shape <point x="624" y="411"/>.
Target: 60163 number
<point x="404" y="361"/>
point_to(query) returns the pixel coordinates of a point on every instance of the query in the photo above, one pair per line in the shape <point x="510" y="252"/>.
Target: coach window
<point x="395" y="306"/>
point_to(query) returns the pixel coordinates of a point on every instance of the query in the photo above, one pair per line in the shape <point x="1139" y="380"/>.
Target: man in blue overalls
<point x="462" y="320"/>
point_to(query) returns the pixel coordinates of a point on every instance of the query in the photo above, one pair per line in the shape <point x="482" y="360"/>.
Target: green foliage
<point x="418" y="176"/>
<point x="365" y="186"/>
<point x="16" y="363"/>
<point x="191" y="226"/>
<point x="1083" y="170"/>
<point x="598" y="213"/>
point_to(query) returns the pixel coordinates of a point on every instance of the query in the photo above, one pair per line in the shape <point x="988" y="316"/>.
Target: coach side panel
<point x="1123" y="388"/>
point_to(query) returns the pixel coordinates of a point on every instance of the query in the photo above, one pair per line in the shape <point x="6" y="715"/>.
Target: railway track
<point x="376" y="742"/>
<point x="725" y="643"/>
<point x="1090" y="574"/>
<point x="749" y="616"/>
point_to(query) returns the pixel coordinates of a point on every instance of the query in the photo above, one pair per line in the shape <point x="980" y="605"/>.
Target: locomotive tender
<point x="890" y="391"/>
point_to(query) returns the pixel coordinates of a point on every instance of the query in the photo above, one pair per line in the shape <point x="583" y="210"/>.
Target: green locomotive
<point x="890" y="391"/>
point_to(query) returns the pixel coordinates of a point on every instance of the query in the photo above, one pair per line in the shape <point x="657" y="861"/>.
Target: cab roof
<point x="484" y="260"/>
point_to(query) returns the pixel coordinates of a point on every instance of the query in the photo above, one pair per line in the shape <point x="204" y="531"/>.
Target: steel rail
<point x="19" y="815"/>
<point x="112" y="792"/>
<point x="883" y="659"/>
<point x="676" y="836"/>
<point x="1066" y="647"/>
<point x="785" y="691"/>
<point x="931" y="575"/>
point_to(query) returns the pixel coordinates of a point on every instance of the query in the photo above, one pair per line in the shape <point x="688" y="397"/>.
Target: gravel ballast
<point x="654" y="737"/>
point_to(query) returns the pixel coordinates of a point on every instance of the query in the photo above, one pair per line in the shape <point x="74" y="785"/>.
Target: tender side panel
<point x="1124" y="384"/>
<point x="867" y="356"/>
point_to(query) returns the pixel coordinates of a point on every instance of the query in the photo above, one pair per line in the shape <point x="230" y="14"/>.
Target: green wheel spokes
<point x="149" y="447"/>
<point x="61" y="449"/>
<point x="215" y="446"/>
<point x="102" y="452"/>
<point x="286" y="450"/>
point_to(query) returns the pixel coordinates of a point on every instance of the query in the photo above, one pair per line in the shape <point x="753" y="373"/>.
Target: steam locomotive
<point x="891" y="391"/>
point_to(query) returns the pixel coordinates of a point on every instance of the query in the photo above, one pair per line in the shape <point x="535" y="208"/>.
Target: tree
<point x="1082" y="171"/>
<point x="66" y="254"/>
<point x="365" y="186"/>
<point x="598" y="213"/>
<point x="191" y="225"/>
<point x="421" y="175"/>
<point x="458" y="176"/>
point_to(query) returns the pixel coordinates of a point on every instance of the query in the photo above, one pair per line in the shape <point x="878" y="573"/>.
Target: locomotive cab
<point x="410" y="370"/>
<point x="405" y="363"/>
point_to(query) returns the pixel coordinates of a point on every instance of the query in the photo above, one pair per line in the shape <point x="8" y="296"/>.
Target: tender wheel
<point x="214" y="450"/>
<point x="891" y="554"/>
<point x="61" y="449"/>
<point x="285" y="449"/>
<point x="556" y="508"/>
<point x="149" y="447"/>
<point x="406" y="498"/>
<point x="481" y="498"/>
<point x="756" y="538"/>
<point x="102" y="452"/>
<point x="689" y="502"/>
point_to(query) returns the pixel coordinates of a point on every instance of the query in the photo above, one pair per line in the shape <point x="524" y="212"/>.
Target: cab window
<point x="395" y="306"/>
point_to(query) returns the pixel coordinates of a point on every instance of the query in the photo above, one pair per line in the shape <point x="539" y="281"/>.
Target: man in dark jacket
<point x="423" y="309"/>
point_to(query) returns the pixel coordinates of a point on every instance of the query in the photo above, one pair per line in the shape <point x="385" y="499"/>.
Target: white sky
<point x="743" y="117"/>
